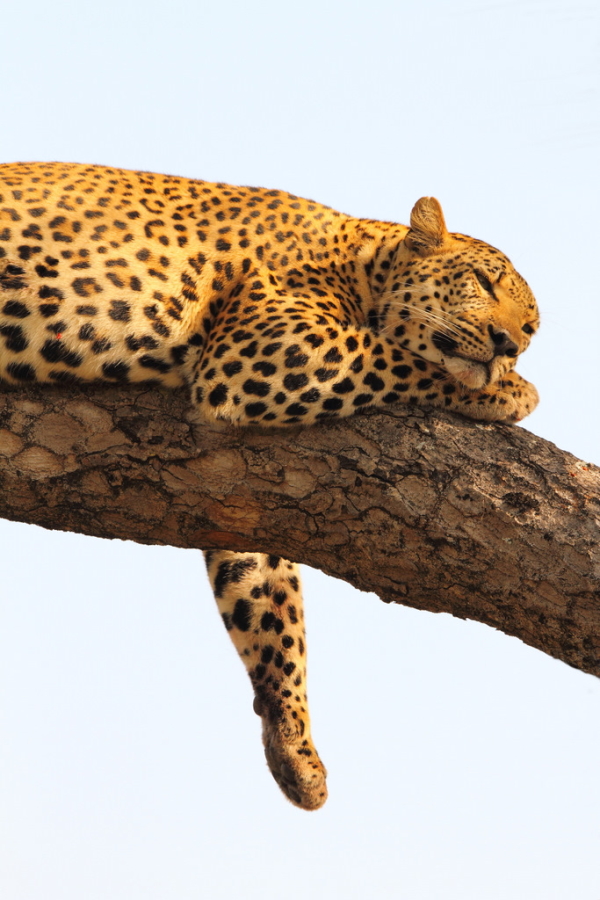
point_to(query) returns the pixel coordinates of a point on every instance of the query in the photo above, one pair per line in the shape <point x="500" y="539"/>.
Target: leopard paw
<point x="508" y="400"/>
<point x="520" y="396"/>
<point x="295" y="765"/>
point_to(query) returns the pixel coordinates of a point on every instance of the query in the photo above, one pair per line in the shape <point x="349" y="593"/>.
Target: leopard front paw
<point x="297" y="769"/>
<point x="521" y="397"/>
<point x="293" y="760"/>
<point x="508" y="400"/>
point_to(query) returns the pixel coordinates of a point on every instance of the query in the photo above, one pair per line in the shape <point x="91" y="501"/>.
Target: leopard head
<point x="456" y="301"/>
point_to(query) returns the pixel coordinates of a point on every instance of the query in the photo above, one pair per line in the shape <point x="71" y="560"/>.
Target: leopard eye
<point x="527" y="328"/>
<point x="485" y="282"/>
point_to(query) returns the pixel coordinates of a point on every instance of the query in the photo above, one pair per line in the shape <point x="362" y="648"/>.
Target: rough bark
<point x="486" y="522"/>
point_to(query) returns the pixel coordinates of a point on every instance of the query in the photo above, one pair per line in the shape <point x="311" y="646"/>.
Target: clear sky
<point x="462" y="763"/>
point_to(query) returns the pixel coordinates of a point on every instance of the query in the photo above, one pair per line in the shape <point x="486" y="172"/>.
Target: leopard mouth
<point x="473" y="373"/>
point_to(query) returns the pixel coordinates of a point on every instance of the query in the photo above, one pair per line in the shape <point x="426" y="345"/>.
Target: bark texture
<point x="486" y="522"/>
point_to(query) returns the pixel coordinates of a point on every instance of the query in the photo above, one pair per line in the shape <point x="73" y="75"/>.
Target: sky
<point x="462" y="763"/>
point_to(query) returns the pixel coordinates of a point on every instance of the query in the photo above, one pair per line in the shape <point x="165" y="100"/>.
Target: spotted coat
<point x="274" y="311"/>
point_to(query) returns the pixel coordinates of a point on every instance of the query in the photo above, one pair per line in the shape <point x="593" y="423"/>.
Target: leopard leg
<point x="260" y="601"/>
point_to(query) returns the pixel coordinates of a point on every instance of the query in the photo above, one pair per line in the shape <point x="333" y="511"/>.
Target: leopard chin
<point x="469" y="372"/>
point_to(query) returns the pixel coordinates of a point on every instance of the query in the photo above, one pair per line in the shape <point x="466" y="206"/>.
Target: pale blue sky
<point x="463" y="765"/>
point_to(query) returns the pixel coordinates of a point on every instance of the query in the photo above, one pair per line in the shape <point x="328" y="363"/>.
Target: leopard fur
<point x="274" y="311"/>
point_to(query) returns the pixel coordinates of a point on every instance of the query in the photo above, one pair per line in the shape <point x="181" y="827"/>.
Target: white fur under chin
<point x="472" y="374"/>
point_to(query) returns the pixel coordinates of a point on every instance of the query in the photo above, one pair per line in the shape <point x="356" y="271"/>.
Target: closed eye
<point x="485" y="282"/>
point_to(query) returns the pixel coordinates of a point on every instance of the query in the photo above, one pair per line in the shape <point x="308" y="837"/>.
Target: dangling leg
<point x="260" y="600"/>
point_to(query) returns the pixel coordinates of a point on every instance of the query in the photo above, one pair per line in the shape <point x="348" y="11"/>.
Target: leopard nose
<point x="503" y="343"/>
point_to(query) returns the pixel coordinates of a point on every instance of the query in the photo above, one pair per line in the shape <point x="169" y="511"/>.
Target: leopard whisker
<point x="430" y="319"/>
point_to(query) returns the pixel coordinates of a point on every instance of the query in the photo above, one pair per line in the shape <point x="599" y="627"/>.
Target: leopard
<point x="273" y="311"/>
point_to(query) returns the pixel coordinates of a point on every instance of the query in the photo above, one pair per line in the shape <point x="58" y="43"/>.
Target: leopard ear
<point x="428" y="232"/>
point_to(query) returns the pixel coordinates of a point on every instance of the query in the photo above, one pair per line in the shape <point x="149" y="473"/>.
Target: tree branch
<point x="486" y="522"/>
